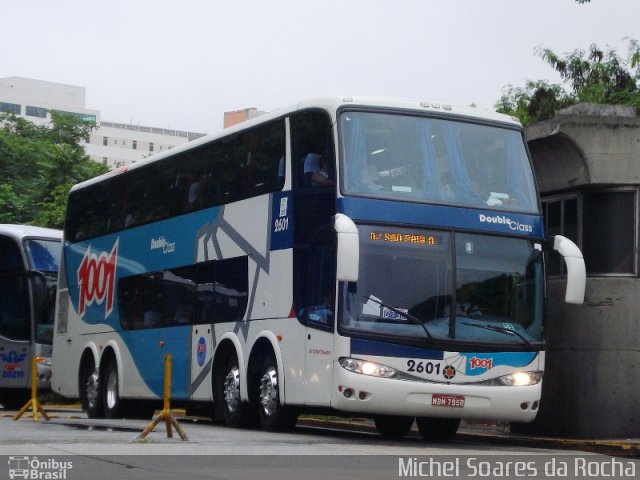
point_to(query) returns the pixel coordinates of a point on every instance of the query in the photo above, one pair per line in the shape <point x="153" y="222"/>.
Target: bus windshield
<point x="441" y="285"/>
<point x="44" y="256"/>
<point x="433" y="160"/>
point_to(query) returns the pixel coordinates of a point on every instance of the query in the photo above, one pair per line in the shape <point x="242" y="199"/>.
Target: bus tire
<point x="89" y="389"/>
<point x="228" y="395"/>
<point x="393" y="427"/>
<point x="111" y="402"/>
<point x="437" y="429"/>
<point x="274" y="416"/>
<point x="14" y="398"/>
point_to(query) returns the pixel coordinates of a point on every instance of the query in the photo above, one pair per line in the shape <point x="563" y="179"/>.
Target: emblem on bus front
<point x="449" y="372"/>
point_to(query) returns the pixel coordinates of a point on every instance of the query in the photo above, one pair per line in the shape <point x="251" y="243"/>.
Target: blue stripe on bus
<point x="157" y="246"/>
<point x="148" y="349"/>
<point x="384" y="349"/>
<point x="167" y="244"/>
<point x="442" y="216"/>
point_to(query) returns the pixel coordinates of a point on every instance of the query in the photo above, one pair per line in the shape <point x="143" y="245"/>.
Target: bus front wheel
<point x="273" y="415"/>
<point x="393" y="427"/>
<point x="437" y="429"/>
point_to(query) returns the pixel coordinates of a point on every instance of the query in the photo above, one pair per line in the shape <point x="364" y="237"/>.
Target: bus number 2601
<point x="423" y="367"/>
<point x="281" y="224"/>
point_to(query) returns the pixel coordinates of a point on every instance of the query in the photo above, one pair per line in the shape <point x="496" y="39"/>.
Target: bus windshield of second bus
<point x="43" y="255"/>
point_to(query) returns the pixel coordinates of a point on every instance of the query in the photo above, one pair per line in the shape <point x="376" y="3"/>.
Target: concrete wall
<point x="591" y="387"/>
<point x="575" y="149"/>
<point x="592" y="378"/>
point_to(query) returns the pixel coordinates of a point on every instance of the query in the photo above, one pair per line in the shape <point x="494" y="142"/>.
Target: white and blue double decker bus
<point x="376" y="257"/>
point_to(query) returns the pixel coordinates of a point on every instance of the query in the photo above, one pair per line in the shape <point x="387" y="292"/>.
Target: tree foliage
<point x="39" y="165"/>
<point x="593" y="76"/>
<point x="534" y="102"/>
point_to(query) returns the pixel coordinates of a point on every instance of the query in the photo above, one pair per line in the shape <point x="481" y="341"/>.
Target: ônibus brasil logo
<point x="96" y="278"/>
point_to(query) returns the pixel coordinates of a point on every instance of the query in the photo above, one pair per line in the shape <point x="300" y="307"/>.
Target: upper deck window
<point x="239" y="166"/>
<point x="436" y="161"/>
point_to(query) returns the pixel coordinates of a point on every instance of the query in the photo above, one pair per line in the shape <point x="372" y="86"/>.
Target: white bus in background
<point x="376" y="257"/>
<point x="29" y="260"/>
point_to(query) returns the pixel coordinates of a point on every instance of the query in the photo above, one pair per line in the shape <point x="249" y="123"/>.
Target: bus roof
<point x="18" y="232"/>
<point x="330" y="104"/>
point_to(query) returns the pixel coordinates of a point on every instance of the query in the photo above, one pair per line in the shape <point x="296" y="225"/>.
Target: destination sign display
<point x="405" y="238"/>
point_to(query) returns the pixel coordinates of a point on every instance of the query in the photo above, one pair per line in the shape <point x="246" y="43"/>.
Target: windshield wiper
<point x="495" y="328"/>
<point x="402" y="314"/>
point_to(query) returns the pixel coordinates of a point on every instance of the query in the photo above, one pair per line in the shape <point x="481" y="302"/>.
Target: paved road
<point x="100" y="449"/>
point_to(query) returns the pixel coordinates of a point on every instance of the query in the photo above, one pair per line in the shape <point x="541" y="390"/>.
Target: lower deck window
<point x="209" y="292"/>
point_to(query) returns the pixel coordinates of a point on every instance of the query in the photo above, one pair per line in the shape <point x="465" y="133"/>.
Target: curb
<point x="617" y="448"/>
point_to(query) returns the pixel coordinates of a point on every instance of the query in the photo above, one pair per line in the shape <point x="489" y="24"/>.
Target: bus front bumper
<point x="367" y="395"/>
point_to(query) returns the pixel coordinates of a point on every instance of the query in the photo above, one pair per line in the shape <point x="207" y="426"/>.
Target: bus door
<point x="15" y="318"/>
<point x="314" y="254"/>
<point x="319" y="319"/>
<point x="316" y="280"/>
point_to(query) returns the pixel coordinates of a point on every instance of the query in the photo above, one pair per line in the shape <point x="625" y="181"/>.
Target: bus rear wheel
<point x="437" y="429"/>
<point x="228" y="395"/>
<point x="90" y="391"/>
<point x="274" y="417"/>
<point x="111" y="402"/>
<point x="14" y="398"/>
<point x="393" y="427"/>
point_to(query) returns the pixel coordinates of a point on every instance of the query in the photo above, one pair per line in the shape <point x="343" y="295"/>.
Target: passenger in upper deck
<point x="316" y="171"/>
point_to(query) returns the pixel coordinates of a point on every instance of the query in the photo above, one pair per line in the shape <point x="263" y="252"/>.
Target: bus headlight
<point x="521" y="379"/>
<point x="365" y="367"/>
<point x="44" y="361"/>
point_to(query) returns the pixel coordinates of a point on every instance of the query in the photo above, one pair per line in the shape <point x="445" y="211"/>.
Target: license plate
<point x="450" y="401"/>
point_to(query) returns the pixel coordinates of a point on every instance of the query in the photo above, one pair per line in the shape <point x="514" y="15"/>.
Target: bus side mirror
<point x="576" y="271"/>
<point x="348" y="248"/>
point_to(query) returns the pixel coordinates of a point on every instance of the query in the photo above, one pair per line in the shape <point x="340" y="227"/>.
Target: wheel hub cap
<point x="269" y="391"/>
<point x="232" y="389"/>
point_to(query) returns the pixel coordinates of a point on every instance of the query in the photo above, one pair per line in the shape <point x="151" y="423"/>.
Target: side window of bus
<point x="239" y="166"/>
<point x="209" y="292"/>
<point x="14" y="294"/>
<point x="312" y="150"/>
<point x="314" y="207"/>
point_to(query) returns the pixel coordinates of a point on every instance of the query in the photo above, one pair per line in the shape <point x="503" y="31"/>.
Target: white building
<point x="113" y="144"/>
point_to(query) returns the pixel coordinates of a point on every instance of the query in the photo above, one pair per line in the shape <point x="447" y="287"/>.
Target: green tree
<point x="534" y="102"/>
<point x="38" y="166"/>
<point x="593" y="76"/>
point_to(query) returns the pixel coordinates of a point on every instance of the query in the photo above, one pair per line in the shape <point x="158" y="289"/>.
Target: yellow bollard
<point x="165" y="414"/>
<point x="33" y="402"/>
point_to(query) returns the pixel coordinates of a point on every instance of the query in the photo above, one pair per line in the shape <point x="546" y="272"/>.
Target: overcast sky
<point x="182" y="63"/>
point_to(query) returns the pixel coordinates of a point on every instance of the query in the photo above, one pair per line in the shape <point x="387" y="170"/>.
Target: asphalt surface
<point x="476" y="433"/>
